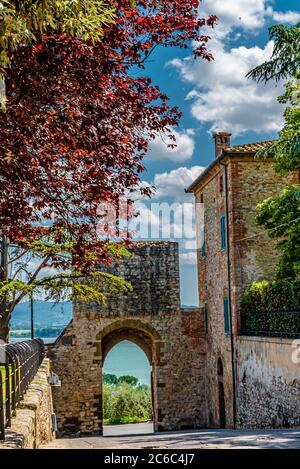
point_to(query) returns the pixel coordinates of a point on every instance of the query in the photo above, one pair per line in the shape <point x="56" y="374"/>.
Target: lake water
<point x="126" y="358"/>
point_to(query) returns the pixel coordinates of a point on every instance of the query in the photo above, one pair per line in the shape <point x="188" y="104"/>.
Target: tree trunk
<point x="4" y="314"/>
<point x="4" y="331"/>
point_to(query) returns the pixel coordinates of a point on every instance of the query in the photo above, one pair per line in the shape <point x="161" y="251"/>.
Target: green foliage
<point x="55" y="273"/>
<point x="279" y="295"/>
<point x="272" y="309"/>
<point x="124" y="402"/>
<point x="286" y="149"/>
<point x="128" y="380"/>
<point x="281" y="217"/>
<point x="285" y="59"/>
<point x="67" y="286"/>
<point x="118" y="420"/>
<point x="21" y="21"/>
<point x="109" y="378"/>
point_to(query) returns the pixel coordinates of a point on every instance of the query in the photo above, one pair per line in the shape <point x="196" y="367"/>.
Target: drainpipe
<point x="230" y="296"/>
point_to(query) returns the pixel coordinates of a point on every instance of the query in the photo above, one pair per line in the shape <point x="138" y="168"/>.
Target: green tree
<point x="131" y="380"/>
<point x="126" y="403"/>
<point x="47" y="267"/>
<point x="286" y="149"/>
<point x="22" y="20"/>
<point x="109" y="378"/>
<point x="285" y="59"/>
<point x="280" y="215"/>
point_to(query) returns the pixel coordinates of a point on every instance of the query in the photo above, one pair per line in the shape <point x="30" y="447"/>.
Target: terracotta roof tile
<point x="248" y="147"/>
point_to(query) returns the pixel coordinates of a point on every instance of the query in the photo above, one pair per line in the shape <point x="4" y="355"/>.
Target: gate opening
<point x="127" y="383"/>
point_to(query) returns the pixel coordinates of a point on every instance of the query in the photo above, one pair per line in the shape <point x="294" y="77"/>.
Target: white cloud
<point x="232" y="102"/>
<point x="170" y="214"/>
<point x="188" y="258"/>
<point x="174" y="183"/>
<point x="290" y="17"/>
<point x="221" y="94"/>
<point x="246" y="14"/>
<point x="185" y="146"/>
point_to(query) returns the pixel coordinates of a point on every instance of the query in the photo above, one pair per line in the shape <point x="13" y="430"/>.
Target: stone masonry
<point x="150" y="316"/>
<point x="32" y="425"/>
<point x="249" y="252"/>
<point x="268" y="383"/>
<point x="204" y="374"/>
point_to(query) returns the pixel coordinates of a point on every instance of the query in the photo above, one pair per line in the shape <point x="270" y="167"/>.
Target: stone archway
<point x="145" y="337"/>
<point x="173" y="339"/>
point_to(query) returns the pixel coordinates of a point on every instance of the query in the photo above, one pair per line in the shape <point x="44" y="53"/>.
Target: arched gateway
<point x="150" y="316"/>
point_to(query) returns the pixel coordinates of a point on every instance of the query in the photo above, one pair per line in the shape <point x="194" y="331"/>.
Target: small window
<point x="220" y="368"/>
<point x="203" y="245"/>
<point x="223" y="232"/>
<point x="201" y="199"/>
<point x="206" y="317"/>
<point x="226" y="315"/>
<point x="221" y="184"/>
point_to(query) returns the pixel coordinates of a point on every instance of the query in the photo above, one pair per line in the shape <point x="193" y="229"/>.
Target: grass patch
<point x="119" y="420"/>
<point x="3" y="375"/>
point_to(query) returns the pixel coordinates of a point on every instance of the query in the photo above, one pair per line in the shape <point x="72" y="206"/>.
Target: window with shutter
<point x="223" y="232"/>
<point x="203" y="247"/>
<point x="226" y="315"/>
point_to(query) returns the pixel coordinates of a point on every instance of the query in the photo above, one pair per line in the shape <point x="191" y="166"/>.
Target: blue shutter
<point x="226" y="315"/>
<point x="203" y="247"/>
<point x="223" y="232"/>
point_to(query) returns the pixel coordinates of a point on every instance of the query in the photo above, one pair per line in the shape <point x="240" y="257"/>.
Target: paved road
<point x="202" y="439"/>
<point x="128" y="429"/>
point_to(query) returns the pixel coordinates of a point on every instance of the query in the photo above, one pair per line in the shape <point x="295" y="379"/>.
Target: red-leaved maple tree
<point x="79" y="121"/>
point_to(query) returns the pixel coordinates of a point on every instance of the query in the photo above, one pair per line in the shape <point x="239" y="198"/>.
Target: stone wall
<point x="253" y="252"/>
<point x="268" y="383"/>
<point x="252" y="257"/>
<point x="32" y="425"/>
<point x="213" y="287"/>
<point x="150" y="316"/>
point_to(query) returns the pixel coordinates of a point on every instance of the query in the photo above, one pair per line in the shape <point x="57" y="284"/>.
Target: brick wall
<point x="212" y="277"/>
<point x="249" y="182"/>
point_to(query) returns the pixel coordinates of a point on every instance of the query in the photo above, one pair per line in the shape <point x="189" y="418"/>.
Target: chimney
<point x="222" y="140"/>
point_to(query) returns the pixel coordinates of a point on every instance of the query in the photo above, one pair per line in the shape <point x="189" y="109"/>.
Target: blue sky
<point x="214" y="96"/>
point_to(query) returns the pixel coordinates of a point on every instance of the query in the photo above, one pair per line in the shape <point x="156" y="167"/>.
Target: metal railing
<point x="19" y="363"/>
<point x="282" y="324"/>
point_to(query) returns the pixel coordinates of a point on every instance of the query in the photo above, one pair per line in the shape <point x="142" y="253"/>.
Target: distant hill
<point x="46" y="314"/>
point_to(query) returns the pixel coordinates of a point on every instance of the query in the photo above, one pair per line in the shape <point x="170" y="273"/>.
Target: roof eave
<point x="214" y="163"/>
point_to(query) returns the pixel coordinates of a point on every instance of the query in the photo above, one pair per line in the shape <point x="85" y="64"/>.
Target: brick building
<point x="233" y="251"/>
